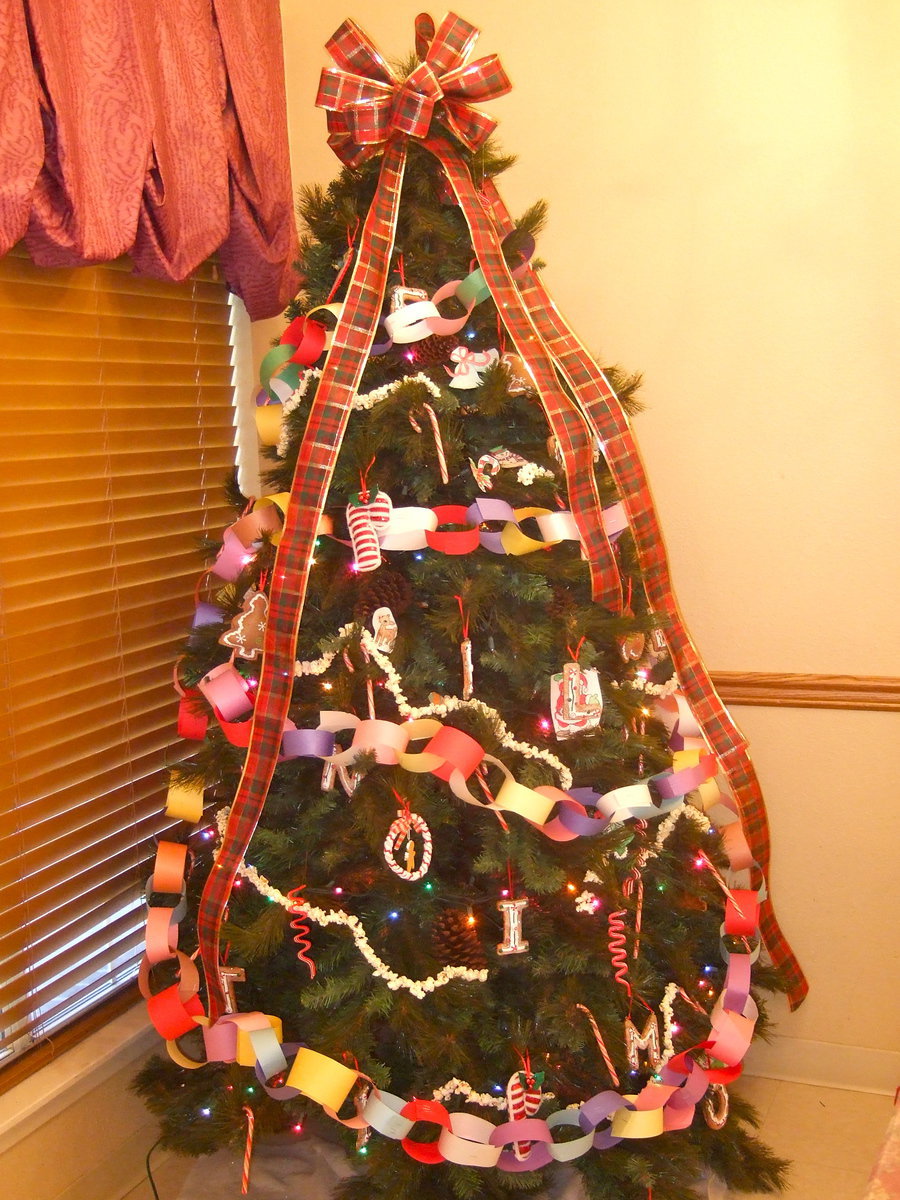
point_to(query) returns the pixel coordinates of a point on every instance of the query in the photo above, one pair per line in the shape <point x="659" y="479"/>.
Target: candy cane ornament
<point x="401" y="832"/>
<point x="523" y="1099"/>
<point x="363" y="517"/>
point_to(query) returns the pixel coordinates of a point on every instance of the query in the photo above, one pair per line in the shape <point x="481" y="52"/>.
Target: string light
<point x="544" y="724"/>
<point x="570" y="887"/>
<point x="298" y="1128"/>
<point x="205" y="1112"/>
<point x="338" y="891"/>
<point x="429" y="886"/>
<point x="393" y="914"/>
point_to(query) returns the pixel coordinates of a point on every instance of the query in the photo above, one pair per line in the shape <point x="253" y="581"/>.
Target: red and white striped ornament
<point x="401" y="832"/>
<point x="363" y="518"/>
<point x="523" y="1099"/>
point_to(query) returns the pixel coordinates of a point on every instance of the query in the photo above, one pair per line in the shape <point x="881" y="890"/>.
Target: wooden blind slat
<point x="116" y="434"/>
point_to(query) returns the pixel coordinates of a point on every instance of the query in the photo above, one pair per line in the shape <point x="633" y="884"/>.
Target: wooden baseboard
<point x="778" y="690"/>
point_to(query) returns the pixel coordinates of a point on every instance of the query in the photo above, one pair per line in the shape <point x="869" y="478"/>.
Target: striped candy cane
<point x="248" y="1150"/>
<point x="362" y="518"/>
<point x="523" y="1099"/>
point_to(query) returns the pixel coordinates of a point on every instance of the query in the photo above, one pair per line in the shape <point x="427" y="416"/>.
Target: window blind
<point x="116" y="434"/>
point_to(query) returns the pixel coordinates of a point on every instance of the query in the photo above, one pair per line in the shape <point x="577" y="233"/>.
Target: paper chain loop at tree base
<point x="666" y="1103"/>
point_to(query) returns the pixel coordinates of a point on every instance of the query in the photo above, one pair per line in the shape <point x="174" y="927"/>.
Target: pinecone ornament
<point x="455" y="941"/>
<point x="561" y="604"/>
<point x="433" y="350"/>
<point x="382" y="589"/>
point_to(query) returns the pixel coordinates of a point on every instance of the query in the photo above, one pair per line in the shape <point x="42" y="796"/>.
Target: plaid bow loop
<point x="366" y="103"/>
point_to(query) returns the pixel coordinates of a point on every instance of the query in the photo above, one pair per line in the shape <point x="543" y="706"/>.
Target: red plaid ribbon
<point x="607" y="417"/>
<point x="387" y="129"/>
<point x="370" y="111"/>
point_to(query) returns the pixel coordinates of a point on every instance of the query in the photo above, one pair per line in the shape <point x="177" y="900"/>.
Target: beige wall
<point x="724" y="182"/>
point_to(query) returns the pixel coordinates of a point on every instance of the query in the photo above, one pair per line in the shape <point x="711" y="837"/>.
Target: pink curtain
<point x="154" y="128"/>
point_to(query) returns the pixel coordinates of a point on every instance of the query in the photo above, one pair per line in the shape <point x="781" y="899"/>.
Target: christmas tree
<point x="483" y="900"/>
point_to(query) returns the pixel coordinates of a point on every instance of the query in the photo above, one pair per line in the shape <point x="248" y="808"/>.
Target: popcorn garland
<point x="323" y="917"/>
<point x="527" y="474"/>
<point x="459" y="1087"/>
<point x="448" y="704"/>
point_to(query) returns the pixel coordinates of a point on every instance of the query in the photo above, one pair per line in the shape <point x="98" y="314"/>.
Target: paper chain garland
<point x="375" y="525"/>
<point x="667" y="1102"/>
<point x="255" y="1039"/>
<point x="454" y="756"/>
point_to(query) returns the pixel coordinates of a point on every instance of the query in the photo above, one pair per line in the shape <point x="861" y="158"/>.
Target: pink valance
<point x="153" y="128"/>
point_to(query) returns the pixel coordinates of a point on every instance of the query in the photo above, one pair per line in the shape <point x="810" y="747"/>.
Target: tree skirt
<point x="287" y="1167"/>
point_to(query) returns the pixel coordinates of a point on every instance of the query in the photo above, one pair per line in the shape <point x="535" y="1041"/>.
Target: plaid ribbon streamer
<point x="370" y="111"/>
<point x="603" y="409"/>
<point x="566" y="422"/>
<point x="327" y="420"/>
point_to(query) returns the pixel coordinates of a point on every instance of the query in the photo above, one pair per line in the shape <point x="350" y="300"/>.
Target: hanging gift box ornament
<point x="469" y="363"/>
<point x="576" y="702"/>
<point x="245" y="637"/>
<point x="385" y="629"/>
<point x="400" y="835"/>
<point x="364" y="517"/>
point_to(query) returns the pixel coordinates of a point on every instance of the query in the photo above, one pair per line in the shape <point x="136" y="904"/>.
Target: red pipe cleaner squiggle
<point x="302" y="940"/>
<point x="617" y="951"/>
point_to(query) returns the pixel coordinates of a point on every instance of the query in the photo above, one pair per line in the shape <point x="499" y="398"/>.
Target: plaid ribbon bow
<point x="366" y="103"/>
<point x="370" y="111"/>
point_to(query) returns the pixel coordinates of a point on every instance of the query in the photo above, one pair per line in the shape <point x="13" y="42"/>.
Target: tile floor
<point x="831" y="1136"/>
